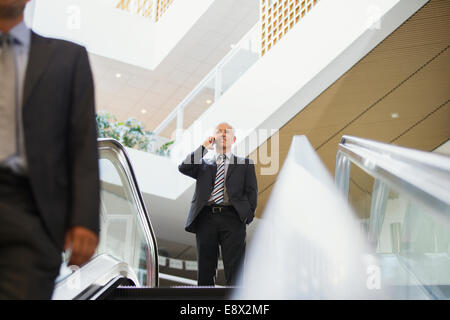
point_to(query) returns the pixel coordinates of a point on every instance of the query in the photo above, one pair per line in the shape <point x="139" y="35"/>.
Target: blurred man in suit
<point x="224" y="203"/>
<point x="49" y="179"/>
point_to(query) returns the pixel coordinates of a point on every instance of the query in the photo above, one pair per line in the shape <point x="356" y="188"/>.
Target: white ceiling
<point x="126" y="90"/>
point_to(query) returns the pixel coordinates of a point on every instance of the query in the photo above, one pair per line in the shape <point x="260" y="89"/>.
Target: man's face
<point x="224" y="136"/>
<point x="12" y="9"/>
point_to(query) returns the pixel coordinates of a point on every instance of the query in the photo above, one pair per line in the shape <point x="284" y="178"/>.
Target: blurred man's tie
<point x="8" y="101"/>
<point x="217" y="194"/>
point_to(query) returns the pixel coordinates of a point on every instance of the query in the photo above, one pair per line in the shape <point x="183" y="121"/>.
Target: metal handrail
<point x="125" y="162"/>
<point x="91" y="278"/>
<point x="424" y="176"/>
<point x="94" y="276"/>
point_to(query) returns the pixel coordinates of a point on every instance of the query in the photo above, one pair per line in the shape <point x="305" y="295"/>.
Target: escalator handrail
<point x="422" y="175"/>
<point x="123" y="158"/>
<point x="93" y="278"/>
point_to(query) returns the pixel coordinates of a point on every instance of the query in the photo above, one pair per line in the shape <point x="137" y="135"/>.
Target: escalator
<point x="125" y="265"/>
<point x="402" y="199"/>
<point x="310" y="243"/>
<point x="379" y="230"/>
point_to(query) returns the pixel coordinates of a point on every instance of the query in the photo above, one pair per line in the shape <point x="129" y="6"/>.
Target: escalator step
<point x="172" y="293"/>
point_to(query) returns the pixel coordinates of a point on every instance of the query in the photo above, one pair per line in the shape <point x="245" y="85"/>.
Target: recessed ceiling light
<point x="144" y="111"/>
<point x="118" y="75"/>
<point x="208" y="101"/>
<point x="395" y="115"/>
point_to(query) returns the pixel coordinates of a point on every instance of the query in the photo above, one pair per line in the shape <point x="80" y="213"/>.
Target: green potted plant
<point x="130" y="133"/>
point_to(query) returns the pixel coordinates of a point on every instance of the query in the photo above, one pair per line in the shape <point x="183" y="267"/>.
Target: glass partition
<point x="402" y="199"/>
<point x="122" y="234"/>
<point x="169" y="131"/>
<point x="245" y="54"/>
<point x="126" y="231"/>
<point x="199" y="102"/>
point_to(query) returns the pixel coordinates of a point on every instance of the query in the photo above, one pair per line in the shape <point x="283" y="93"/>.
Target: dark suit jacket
<point x="241" y="185"/>
<point x="61" y="136"/>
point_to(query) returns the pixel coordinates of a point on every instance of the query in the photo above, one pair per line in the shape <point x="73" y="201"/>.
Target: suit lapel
<point x="41" y="50"/>
<point x="213" y="169"/>
<point x="231" y="166"/>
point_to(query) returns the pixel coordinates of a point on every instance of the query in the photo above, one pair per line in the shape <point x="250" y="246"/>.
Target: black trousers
<point x="29" y="259"/>
<point x="226" y="230"/>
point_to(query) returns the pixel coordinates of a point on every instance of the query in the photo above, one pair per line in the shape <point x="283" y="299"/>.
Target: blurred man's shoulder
<point x="60" y="43"/>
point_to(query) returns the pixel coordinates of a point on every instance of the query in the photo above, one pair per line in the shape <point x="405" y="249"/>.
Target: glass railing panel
<point x="418" y="237"/>
<point x="203" y="98"/>
<point x="360" y="195"/>
<point x="423" y="241"/>
<point x="169" y="131"/>
<point x="121" y="230"/>
<point x="382" y="220"/>
<point x="245" y="54"/>
<point x="407" y="232"/>
<point x="124" y="231"/>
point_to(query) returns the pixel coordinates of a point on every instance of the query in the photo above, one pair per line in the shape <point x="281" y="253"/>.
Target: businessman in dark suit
<point x="49" y="179"/>
<point x="224" y="203"/>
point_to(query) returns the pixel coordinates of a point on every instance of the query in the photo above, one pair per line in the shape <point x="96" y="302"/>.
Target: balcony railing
<point x="241" y="57"/>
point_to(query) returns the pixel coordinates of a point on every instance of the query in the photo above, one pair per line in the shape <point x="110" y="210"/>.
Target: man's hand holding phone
<point x="209" y="143"/>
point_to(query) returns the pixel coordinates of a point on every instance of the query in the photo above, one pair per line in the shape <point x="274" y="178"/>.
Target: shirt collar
<point x="228" y="154"/>
<point x="22" y="33"/>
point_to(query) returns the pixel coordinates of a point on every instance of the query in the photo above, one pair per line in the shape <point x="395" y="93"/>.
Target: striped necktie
<point x="8" y="107"/>
<point x="217" y="194"/>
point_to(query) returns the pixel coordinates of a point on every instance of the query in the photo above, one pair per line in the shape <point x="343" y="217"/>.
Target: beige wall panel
<point x="429" y="133"/>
